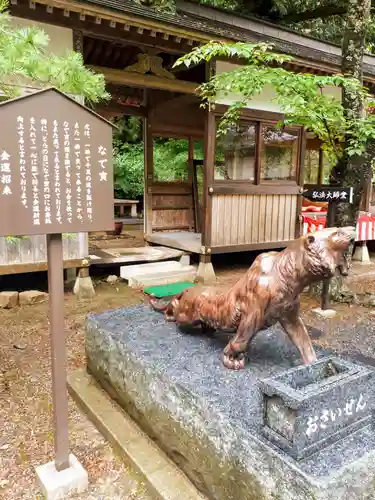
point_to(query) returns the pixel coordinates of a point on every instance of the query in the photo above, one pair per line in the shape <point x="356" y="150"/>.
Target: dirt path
<point x="25" y="406"/>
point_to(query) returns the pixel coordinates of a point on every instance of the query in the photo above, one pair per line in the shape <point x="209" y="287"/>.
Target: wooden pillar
<point x="148" y="169"/>
<point x="208" y="177"/>
<point x="205" y="273"/>
<point x="208" y="165"/>
<point x="194" y="224"/>
<point x="300" y="180"/>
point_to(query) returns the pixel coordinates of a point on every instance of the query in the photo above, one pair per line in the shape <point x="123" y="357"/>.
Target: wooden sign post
<point x="56" y="176"/>
<point x="332" y="195"/>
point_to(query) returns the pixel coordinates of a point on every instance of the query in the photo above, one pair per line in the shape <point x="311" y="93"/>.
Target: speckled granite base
<point x="208" y="419"/>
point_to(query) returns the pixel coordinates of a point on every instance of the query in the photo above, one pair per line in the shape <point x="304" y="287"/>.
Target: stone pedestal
<point x="211" y="420"/>
<point x="83" y="287"/>
<point x="309" y="407"/>
<point x="361" y="253"/>
<point x="57" y="485"/>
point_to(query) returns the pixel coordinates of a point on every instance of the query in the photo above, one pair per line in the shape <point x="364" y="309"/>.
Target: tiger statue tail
<point x="166" y="308"/>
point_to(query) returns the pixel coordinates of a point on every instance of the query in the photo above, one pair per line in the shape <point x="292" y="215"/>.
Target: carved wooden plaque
<point x="56" y="172"/>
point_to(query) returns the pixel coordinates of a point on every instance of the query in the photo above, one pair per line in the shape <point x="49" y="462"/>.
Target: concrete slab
<point x="127" y="272"/>
<point x="184" y="273"/>
<point x="57" y="485"/>
<point x="361" y="254"/>
<point x="109" y="253"/>
<point x="162" y="477"/>
<point x="325" y="313"/>
<point x="209" y="419"/>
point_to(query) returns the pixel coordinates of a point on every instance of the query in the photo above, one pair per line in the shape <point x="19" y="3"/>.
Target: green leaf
<point x="23" y="59"/>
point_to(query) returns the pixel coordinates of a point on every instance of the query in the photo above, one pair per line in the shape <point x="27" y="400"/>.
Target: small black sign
<point x="329" y="194"/>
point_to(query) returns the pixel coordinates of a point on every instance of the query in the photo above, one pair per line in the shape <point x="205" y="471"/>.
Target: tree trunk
<point x="355" y="171"/>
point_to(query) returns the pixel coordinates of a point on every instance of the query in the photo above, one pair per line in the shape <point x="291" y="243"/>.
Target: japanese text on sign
<point x="331" y="415"/>
<point x="46" y="186"/>
<point x="34" y="177"/>
<point x="6" y="174"/>
<point x="55" y="166"/>
<point x="45" y="166"/>
<point x="68" y="173"/>
<point x="88" y="174"/>
<point x="329" y="194"/>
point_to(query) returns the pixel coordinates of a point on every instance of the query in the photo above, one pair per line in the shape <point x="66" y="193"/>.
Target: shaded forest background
<point x="170" y="158"/>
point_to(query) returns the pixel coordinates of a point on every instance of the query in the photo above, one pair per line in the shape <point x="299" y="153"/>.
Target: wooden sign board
<point x="56" y="172"/>
<point x="56" y="176"/>
<point x="329" y="194"/>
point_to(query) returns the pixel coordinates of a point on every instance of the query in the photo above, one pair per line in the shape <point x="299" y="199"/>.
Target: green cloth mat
<point x="161" y="291"/>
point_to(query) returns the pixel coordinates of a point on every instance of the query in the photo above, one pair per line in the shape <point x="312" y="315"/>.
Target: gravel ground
<point x="26" y="439"/>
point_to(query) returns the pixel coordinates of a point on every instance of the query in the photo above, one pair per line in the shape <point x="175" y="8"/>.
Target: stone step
<point x="185" y="273"/>
<point x="127" y="272"/>
<point x="162" y="477"/>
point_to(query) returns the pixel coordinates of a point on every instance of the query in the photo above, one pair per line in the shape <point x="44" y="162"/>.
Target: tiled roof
<point x="221" y="24"/>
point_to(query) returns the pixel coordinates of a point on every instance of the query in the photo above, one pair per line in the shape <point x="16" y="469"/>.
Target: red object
<point x="117" y="229"/>
<point x="365" y="225"/>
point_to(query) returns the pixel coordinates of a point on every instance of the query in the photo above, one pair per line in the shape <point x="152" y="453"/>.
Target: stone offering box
<point x="309" y="407"/>
<point x="211" y="421"/>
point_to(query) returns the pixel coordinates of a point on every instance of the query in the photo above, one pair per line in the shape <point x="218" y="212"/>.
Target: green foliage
<point x="254" y="53"/>
<point x="163" y="6"/>
<point x="300" y="96"/>
<point x="128" y="171"/>
<point x="170" y="158"/>
<point x="15" y="239"/>
<point x="23" y="58"/>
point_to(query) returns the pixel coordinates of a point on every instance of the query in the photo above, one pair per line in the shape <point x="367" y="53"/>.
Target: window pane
<point x="235" y="153"/>
<point x="311" y="175"/>
<point x="170" y="159"/>
<point x="279" y="154"/>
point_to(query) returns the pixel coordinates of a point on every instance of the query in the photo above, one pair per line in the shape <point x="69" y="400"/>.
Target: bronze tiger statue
<point x="268" y="293"/>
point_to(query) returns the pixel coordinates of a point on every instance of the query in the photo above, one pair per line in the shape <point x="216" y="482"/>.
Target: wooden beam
<point x="145" y="81"/>
<point x="244" y="187"/>
<point x="171" y="188"/>
<point x="116" y="110"/>
<point x="178" y="101"/>
<point x="176" y="132"/>
<point x="94" y="13"/>
<point x="34" y="267"/>
<point x="267" y="245"/>
<point x="170" y="207"/>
